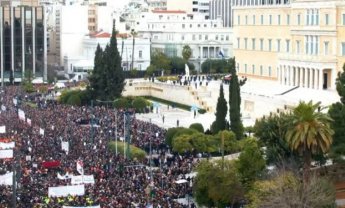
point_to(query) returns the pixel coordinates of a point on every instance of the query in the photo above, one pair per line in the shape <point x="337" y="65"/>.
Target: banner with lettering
<point x="63" y="191"/>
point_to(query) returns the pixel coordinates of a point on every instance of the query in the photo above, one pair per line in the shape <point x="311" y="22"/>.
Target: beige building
<point x="298" y="43"/>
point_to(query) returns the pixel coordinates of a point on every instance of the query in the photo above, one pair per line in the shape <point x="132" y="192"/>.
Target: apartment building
<point x="190" y="6"/>
<point x="298" y="43"/>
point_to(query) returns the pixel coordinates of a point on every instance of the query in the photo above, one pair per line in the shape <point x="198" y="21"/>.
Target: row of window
<point x="194" y="37"/>
<point x="312" y="19"/>
<point x="184" y="26"/>
<point x="252" y="70"/>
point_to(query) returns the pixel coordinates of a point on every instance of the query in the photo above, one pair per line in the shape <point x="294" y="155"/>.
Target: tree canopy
<point x="235" y="102"/>
<point x="221" y="111"/>
<point x="107" y="78"/>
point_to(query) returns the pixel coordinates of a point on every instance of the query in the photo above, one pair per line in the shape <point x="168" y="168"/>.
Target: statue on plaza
<point x="186" y="70"/>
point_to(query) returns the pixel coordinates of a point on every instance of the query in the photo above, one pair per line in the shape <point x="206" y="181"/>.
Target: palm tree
<point x="309" y="133"/>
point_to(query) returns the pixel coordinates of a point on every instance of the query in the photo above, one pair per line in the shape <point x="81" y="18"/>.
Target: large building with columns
<point x="299" y="43"/>
<point x="23" y="43"/>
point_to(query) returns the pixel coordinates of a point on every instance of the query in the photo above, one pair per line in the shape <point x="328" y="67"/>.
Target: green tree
<point x="250" y="164"/>
<point x="217" y="187"/>
<point x="160" y="61"/>
<point x="182" y="144"/>
<point x="309" y="133"/>
<point x="27" y="82"/>
<point x="235" y="102"/>
<point x="271" y="131"/>
<point x="107" y="79"/>
<point x="222" y="108"/>
<point x="177" y="65"/>
<point x="140" y="103"/>
<point x="231" y="145"/>
<point x="286" y="190"/>
<point x="197" y="126"/>
<point x="337" y="113"/>
<point x="186" y="53"/>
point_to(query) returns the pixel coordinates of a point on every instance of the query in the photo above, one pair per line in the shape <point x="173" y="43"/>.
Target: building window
<point x="298" y="47"/>
<point x="200" y="37"/>
<point x="222" y="37"/>
<point x="253" y="69"/>
<point x="246" y="19"/>
<point x="326" y="43"/>
<point x="269" y="44"/>
<point x="246" y="43"/>
<point x="343" y="19"/>
<point x="237" y="66"/>
<point x="261" y="44"/>
<point x="253" y="43"/>
<point x="238" y="43"/>
<point x="245" y="68"/>
<point x="193" y="37"/>
<point x="238" y="20"/>
<point x="269" y="71"/>
<point x="226" y="37"/>
<point x="253" y="19"/>
<point x="278" y="45"/>
<point x="262" y="19"/>
<point x="326" y="19"/>
<point x="216" y="37"/>
<point x="288" y="19"/>
<point x="299" y="19"/>
<point x="183" y="26"/>
<point x="278" y="19"/>
<point x="182" y="37"/>
<point x="261" y="70"/>
<point x="206" y="37"/>
<point x="343" y="48"/>
<point x="287" y="46"/>
<point x="270" y="19"/>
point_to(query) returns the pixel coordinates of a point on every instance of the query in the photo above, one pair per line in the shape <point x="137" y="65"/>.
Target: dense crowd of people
<point x="119" y="181"/>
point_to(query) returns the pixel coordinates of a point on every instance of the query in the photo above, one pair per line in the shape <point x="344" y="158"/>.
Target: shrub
<point x="197" y="126"/>
<point x="74" y="99"/>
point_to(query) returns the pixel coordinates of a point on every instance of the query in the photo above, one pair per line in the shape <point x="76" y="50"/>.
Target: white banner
<point x="64" y="177"/>
<point x="80" y="168"/>
<point x="28" y="120"/>
<point x="2" y="129"/>
<point x="86" y="179"/>
<point x="15" y="102"/>
<point x="21" y="114"/>
<point x="42" y="131"/>
<point x="64" y="191"/>
<point x="6" y="179"/>
<point x="6" y="154"/>
<point x="9" y="145"/>
<point x="97" y="206"/>
<point x="3" y="108"/>
<point x="65" y="146"/>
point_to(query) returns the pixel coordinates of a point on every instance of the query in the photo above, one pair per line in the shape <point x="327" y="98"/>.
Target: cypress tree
<point x="220" y="123"/>
<point x="235" y="102"/>
<point x="107" y="79"/>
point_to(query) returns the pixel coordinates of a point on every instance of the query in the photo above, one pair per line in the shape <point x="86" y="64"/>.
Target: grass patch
<point x="171" y="103"/>
<point x="31" y="104"/>
<point x="136" y="152"/>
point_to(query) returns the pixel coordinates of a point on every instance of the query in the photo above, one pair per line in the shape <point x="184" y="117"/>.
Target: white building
<point x="78" y="66"/>
<point x="169" y="31"/>
<point x="191" y="6"/>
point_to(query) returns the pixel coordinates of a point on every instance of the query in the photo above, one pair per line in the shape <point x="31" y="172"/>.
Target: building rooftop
<point x="169" y="11"/>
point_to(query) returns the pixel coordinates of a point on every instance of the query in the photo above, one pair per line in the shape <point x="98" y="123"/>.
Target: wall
<point x="176" y="93"/>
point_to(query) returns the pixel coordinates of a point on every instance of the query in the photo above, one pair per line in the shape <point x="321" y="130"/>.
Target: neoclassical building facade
<point x="298" y="43"/>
